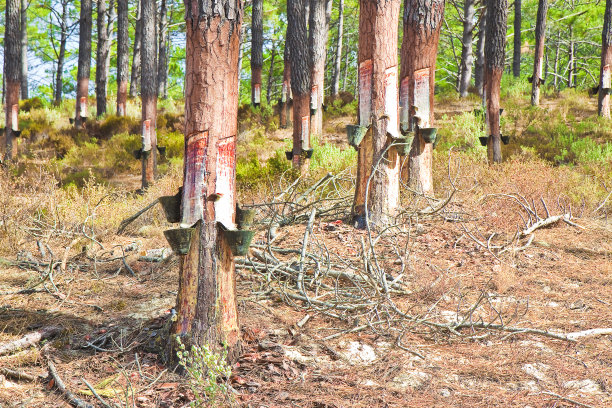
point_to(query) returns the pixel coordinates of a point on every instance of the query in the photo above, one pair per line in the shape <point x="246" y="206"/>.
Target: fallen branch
<point x="124" y="224"/>
<point x="18" y="375"/>
<point x="590" y="333"/>
<point x="29" y="339"/>
<point x="571" y="401"/>
<point x="543" y="223"/>
<point x="59" y="384"/>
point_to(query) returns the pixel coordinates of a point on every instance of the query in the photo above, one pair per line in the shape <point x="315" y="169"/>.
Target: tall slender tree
<point x="285" y="105"/>
<point x="84" y="64"/>
<point x="538" y="57"/>
<point x="136" y="57"/>
<point x="206" y="303"/>
<point x="61" y="56"/>
<point x="24" y="49"/>
<point x="162" y="66"/>
<point x="603" y="102"/>
<point x="495" y="55"/>
<point x="256" y="51"/>
<point x="467" y="59"/>
<point x="148" y="93"/>
<point x="12" y="71"/>
<point x="422" y="23"/>
<point x="480" y="52"/>
<point x="516" y="55"/>
<point x="102" y="56"/>
<point x="317" y="44"/>
<point x="123" y="49"/>
<point x="378" y="167"/>
<point x="335" y="88"/>
<point x="297" y="36"/>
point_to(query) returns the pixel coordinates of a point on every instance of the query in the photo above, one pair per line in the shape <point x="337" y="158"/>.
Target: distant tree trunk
<point x="497" y="17"/>
<point x="24" y="49"/>
<point x="84" y="64"/>
<point x="378" y="108"/>
<point x="206" y="308"/>
<point x="271" y="74"/>
<point x="570" y="58"/>
<point x="467" y="60"/>
<point x="136" y="59"/>
<point x="148" y="93"/>
<point x="419" y="51"/>
<point x="338" y="57"/>
<point x="12" y="72"/>
<point x="300" y="81"/>
<point x="256" y="51"/>
<point x="538" y="58"/>
<point x="317" y="44"/>
<point x="480" y="53"/>
<point x="346" y="67"/>
<point x="123" y="49"/>
<point x="603" y="102"/>
<point x="285" y="107"/>
<point x="59" y="82"/>
<point x="102" y="54"/>
<point x="516" y="56"/>
<point x="162" y="69"/>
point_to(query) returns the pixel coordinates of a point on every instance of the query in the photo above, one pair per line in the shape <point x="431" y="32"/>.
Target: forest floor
<point x="526" y="305"/>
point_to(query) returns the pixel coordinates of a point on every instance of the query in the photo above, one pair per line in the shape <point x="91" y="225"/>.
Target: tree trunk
<point x="271" y="75"/>
<point x="136" y="59"/>
<point x="516" y="56"/>
<point x="467" y="60"/>
<point x="570" y="58"/>
<point x="300" y="81"/>
<point x="317" y="44"/>
<point x="497" y="17"/>
<point x="84" y="64"/>
<point x="162" y="69"/>
<point x="207" y="310"/>
<point x="377" y="199"/>
<point x="603" y="102"/>
<point x="148" y="93"/>
<point x="123" y="49"/>
<point x="480" y="53"/>
<point x="256" y="51"/>
<point x="538" y="58"/>
<point x="422" y="23"/>
<point x="338" y="56"/>
<point x="285" y="106"/>
<point x="12" y="73"/>
<point x="24" y="49"/>
<point x="102" y="54"/>
<point x="59" y="81"/>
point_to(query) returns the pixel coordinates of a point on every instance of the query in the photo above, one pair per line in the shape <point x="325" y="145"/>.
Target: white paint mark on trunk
<point x="404" y="101"/>
<point x="284" y="92"/>
<point x="226" y="168"/>
<point x="257" y="93"/>
<point x="391" y="100"/>
<point x="314" y="97"/>
<point x="195" y="181"/>
<point x="15" y="118"/>
<point x="146" y="135"/>
<point x="421" y="96"/>
<point x="605" y="76"/>
<point x="83" y="110"/>
<point x="305" y="132"/>
<point x="365" y="92"/>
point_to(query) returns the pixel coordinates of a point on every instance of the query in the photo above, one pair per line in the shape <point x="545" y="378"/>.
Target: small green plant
<point x="207" y="372"/>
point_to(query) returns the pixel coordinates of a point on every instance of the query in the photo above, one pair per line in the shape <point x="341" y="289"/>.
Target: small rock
<point x="583" y="386"/>
<point x="536" y="370"/>
<point x="410" y="379"/>
<point x="445" y="392"/>
<point x="360" y="353"/>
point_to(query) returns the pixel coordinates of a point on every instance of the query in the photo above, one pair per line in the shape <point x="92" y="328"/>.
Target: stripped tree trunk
<point x="102" y="54"/>
<point x="480" y="53"/>
<point x="59" y="82"/>
<point x="422" y="23"/>
<point x="12" y="72"/>
<point x="148" y="93"/>
<point x="317" y="44"/>
<point x="256" y="51"/>
<point x="24" y="49"/>
<point x="207" y="310"/>
<point x="497" y="17"/>
<point x="377" y="199"/>
<point x="162" y="65"/>
<point x="538" y="58"/>
<point x="603" y="103"/>
<point x="84" y="64"/>
<point x="136" y="58"/>
<point x="467" y="60"/>
<point x="297" y="36"/>
<point x="338" y="57"/>
<point x="123" y="48"/>
<point x="516" y="56"/>
<point x="285" y="105"/>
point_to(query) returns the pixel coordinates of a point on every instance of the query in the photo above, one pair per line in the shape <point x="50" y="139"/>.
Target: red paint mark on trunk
<point x="194" y="188"/>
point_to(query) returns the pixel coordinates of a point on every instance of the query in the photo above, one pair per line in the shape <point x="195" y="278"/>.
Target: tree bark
<point x="256" y="51"/>
<point x="123" y="49"/>
<point x="102" y="54"/>
<point x="12" y="73"/>
<point x="136" y="58"/>
<point x="271" y="74"/>
<point x="59" y="81"/>
<point x="378" y="199"/>
<point x="317" y="44"/>
<point x="286" y="96"/>
<point x="538" y="58"/>
<point x="206" y="303"/>
<point x="148" y="93"/>
<point x="338" y="57"/>
<point x="84" y="64"/>
<point x="422" y="23"/>
<point x="603" y="102"/>
<point x="516" y="56"/>
<point x="24" y="49"/>
<point x="300" y="81"/>
<point x="162" y="69"/>
<point x="497" y="17"/>
<point x="570" y="57"/>
<point x="467" y="60"/>
<point x="480" y="53"/>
